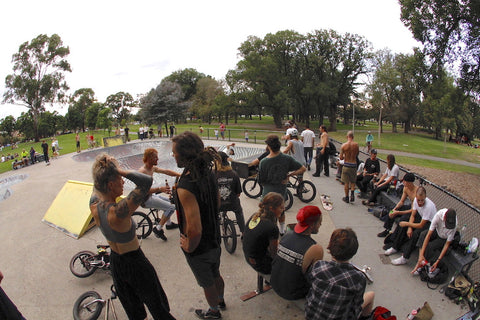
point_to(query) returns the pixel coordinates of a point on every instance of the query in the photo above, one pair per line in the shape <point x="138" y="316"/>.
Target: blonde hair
<point x="271" y="201"/>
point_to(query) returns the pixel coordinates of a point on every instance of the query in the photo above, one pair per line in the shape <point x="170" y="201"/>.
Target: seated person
<point x="25" y="157"/>
<point x="260" y="238"/>
<point x="390" y="176"/>
<point x="371" y="169"/>
<point x="409" y="191"/>
<point x="337" y="288"/>
<point x="438" y="239"/>
<point x="407" y="233"/>
<point x="230" y="189"/>
<point x="297" y="251"/>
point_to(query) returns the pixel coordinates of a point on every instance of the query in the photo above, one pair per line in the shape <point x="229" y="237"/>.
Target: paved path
<point x="423" y="156"/>
<point x="34" y="257"/>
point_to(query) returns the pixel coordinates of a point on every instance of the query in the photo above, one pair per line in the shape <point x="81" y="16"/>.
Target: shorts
<point x="205" y="267"/>
<point x="349" y="175"/>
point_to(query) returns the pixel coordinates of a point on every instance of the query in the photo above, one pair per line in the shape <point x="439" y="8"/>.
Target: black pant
<point x="411" y="243"/>
<point x="434" y="247"/>
<point x="362" y="183"/>
<point x="8" y="310"/>
<point x="376" y="192"/>
<point x="308" y="154"/>
<point x="322" y="162"/>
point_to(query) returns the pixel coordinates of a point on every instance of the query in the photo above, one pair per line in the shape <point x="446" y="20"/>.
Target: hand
<point x="409" y="232"/>
<point x="165" y="189"/>
<point x="434" y="266"/>
<point x="392" y="214"/>
<point x="184" y="242"/>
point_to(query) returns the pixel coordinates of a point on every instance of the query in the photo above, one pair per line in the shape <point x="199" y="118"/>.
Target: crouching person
<point x="337" y="288"/>
<point x="297" y="251"/>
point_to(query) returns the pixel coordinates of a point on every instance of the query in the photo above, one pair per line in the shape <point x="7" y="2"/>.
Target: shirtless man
<point x="349" y="153"/>
<point x="323" y="150"/>
<point x="150" y="159"/>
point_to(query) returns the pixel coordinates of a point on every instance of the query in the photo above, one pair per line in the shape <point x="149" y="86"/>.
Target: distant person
<point x="438" y="239"/>
<point x="77" y="140"/>
<point x="45" y="152"/>
<point x="216" y="133"/>
<point x="296" y="253"/>
<point x="246" y="135"/>
<point x="222" y="130"/>
<point x="260" y="239"/>
<point x="389" y="177"/>
<point x="141" y="132"/>
<point x="25" y="157"/>
<point x="369" y="140"/>
<point x="54" y="149"/>
<point x="230" y="189"/>
<point x="322" y="154"/>
<point x="200" y="128"/>
<point x="127" y="130"/>
<point x="172" y="130"/>
<point x="135" y="279"/>
<point x="8" y="310"/>
<point x="150" y="160"/>
<point x="371" y="169"/>
<point x="337" y="288"/>
<point x="295" y="149"/>
<point x="33" y="158"/>
<point x="308" y="137"/>
<point x="348" y="153"/>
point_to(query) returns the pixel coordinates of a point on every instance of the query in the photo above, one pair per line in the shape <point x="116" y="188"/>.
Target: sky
<point x="131" y="46"/>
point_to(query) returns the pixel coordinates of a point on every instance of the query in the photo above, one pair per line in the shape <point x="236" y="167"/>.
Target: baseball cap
<point x="450" y="219"/>
<point x="410" y="177"/>
<point x="224" y="157"/>
<point x="306" y="216"/>
<point x="373" y="151"/>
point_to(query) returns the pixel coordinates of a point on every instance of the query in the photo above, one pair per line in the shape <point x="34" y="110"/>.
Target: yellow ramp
<point x="70" y="211"/>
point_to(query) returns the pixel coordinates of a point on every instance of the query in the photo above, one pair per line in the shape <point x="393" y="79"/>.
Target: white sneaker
<point x="417" y="272"/>
<point x="390" y="251"/>
<point x="399" y="261"/>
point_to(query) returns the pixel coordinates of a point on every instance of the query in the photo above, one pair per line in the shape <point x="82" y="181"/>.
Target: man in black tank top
<point x="297" y="251"/>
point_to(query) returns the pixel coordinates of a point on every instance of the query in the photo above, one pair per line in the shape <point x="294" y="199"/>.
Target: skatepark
<point x="34" y="257"/>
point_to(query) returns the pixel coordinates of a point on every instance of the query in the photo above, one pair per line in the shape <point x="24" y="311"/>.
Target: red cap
<point x="306" y="216"/>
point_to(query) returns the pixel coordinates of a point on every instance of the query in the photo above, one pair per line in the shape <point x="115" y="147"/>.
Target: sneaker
<point x="390" y="251"/>
<point x="383" y="234"/>
<point x="159" y="233"/>
<point x="399" y="261"/>
<point x="417" y="272"/>
<point x="222" y="305"/>
<point x="345" y="199"/>
<point x="352" y="197"/>
<point x="316" y="175"/>
<point x="171" y="226"/>
<point x="209" y="314"/>
<point x="308" y="167"/>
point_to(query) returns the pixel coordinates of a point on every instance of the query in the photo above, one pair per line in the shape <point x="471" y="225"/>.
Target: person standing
<point x="141" y="132"/>
<point x="369" y="140"/>
<point x="197" y="201"/>
<point x="127" y="129"/>
<point x="32" y="155"/>
<point x="246" y="135"/>
<point x="348" y="153"/>
<point x="296" y="150"/>
<point x="150" y="159"/>
<point x="172" y="130"/>
<point x="274" y="171"/>
<point x="77" y="142"/>
<point x="222" y="130"/>
<point x="135" y="279"/>
<point x="296" y="252"/>
<point x="308" y="137"/>
<point x="45" y="152"/>
<point x="323" y="152"/>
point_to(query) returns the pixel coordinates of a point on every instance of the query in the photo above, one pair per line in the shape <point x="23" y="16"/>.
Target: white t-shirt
<point x="439" y="225"/>
<point x="394" y="172"/>
<point x="360" y="167"/>
<point x="427" y="212"/>
<point x="308" y="137"/>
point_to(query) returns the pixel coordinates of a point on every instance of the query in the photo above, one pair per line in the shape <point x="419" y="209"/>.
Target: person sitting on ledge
<point x="338" y="288"/>
<point x="410" y="191"/>
<point x="297" y="251"/>
<point x="390" y="176"/>
<point x="260" y="237"/>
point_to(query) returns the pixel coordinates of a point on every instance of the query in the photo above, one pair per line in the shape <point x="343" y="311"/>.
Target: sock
<point x="214" y="308"/>
<point x="159" y="227"/>
<point x="282" y="227"/>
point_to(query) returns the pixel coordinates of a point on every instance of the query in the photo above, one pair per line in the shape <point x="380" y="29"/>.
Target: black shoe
<point x="316" y="175"/>
<point x="171" y="226"/>
<point x="326" y="175"/>
<point x="209" y="314"/>
<point x="352" y="196"/>
<point x="345" y="199"/>
<point x="159" y="233"/>
<point x="222" y="305"/>
<point x="383" y="234"/>
<point x="308" y="167"/>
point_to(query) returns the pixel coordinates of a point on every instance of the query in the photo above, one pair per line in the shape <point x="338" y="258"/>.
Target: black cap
<point x="373" y="151"/>
<point x="451" y="219"/>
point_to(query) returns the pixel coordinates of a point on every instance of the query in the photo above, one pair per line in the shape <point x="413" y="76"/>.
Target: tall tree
<point x="187" y="79"/>
<point x="7" y="126"/>
<point x="204" y="103"/>
<point x="39" y="75"/>
<point x="119" y="104"/>
<point x="79" y="103"/>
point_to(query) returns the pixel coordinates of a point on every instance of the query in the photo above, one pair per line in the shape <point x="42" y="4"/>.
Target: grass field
<point x="415" y="142"/>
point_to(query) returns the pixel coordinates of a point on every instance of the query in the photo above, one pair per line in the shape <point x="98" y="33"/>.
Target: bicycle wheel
<point x="80" y="264"/>
<point x="86" y="307"/>
<point x="306" y="191"/>
<point x="289" y="200"/>
<point x="229" y="235"/>
<point x="144" y="224"/>
<point x="252" y="188"/>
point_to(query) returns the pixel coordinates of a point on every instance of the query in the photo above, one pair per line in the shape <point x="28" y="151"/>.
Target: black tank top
<point x="109" y="233"/>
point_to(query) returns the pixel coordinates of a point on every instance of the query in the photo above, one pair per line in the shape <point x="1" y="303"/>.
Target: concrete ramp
<point x="70" y="212"/>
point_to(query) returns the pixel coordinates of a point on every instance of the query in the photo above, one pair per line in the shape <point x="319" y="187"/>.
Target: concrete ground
<point x="34" y="257"/>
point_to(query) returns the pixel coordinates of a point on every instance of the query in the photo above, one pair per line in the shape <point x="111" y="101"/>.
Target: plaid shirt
<point x="336" y="291"/>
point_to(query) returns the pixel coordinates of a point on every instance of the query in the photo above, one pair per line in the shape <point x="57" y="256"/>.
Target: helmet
<point x="294" y="132"/>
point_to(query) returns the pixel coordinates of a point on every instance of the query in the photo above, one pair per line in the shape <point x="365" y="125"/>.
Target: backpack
<point x="439" y="278"/>
<point x="333" y="149"/>
<point x="381" y="313"/>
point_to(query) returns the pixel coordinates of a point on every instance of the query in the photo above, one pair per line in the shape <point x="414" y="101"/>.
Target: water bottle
<point x="412" y="314"/>
<point x="462" y="233"/>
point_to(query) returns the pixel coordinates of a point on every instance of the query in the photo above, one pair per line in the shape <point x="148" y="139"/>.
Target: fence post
<point x="255" y="136"/>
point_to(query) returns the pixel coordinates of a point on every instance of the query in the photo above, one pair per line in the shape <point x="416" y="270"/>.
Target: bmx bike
<point x="90" y="304"/>
<point x="84" y="263"/>
<point x="145" y="222"/>
<point x="228" y="232"/>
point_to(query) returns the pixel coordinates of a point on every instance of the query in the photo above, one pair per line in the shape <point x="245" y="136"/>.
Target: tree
<point x="91" y="115"/>
<point x="79" y="103"/>
<point x="204" y="103"/>
<point x="449" y="31"/>
<point x="38" y="77"/>
<point x="118" y="104"/>
<point x="105" y="119"/>
<point x="187" y="79"/>
<point x="7" y="126"/>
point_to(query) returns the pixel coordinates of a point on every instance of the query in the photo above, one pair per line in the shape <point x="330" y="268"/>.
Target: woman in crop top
<point x="134" y="277"/>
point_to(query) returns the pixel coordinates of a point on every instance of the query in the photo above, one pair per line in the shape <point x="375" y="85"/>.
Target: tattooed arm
<point x="137" y="196"/>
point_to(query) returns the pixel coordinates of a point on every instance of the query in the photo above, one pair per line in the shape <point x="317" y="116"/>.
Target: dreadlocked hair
<point x="271" y="201"/>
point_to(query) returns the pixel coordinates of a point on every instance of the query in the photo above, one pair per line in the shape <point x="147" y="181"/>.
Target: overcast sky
<point x="132" y="45"/>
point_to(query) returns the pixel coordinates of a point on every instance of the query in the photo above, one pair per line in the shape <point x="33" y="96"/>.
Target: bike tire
<point x="144" y="224"/>
<point x="252" y="188"/>
<point x="289" y="200"/>
<point x="229" y="235"/>
<point x="306" y="191"/>
<point x="78" y="266"/>
<point x="91" y="312"/>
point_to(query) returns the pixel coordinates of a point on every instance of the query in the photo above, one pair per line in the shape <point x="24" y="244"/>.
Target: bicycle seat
<point x="102" y="246"/>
